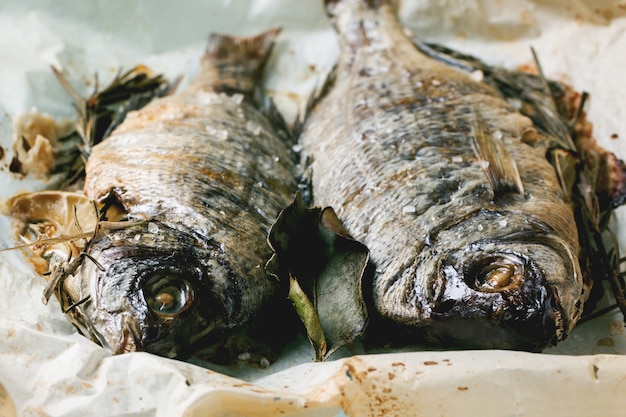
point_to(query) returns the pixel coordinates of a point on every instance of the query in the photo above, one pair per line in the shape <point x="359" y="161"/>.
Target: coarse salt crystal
<point x="477" y="75"/>
<point x="253" y="127"/>
<point x="153" y="228"/>
<point x="237" y="98"/>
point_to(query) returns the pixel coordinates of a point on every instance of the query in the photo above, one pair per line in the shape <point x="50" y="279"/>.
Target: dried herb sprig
<point x="104" y="110"/>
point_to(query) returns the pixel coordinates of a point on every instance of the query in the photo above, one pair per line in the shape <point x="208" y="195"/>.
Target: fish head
<point x="149" y="290"/>
<point x="503" y="281"/>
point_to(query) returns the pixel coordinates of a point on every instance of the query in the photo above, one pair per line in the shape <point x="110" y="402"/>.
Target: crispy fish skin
<point x="402" y="147"/>
<point x="203" y="174"/>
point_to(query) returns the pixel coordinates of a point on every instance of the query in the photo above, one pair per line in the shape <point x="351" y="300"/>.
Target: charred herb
<point x="101" y="112"/>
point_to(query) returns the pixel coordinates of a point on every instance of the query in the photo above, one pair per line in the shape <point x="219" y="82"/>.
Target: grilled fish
<point x="472" y="237"/>
<point x="186" y="188"/>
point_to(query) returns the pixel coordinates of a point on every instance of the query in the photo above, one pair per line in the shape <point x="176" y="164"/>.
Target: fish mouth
<point x="130" y="338"/>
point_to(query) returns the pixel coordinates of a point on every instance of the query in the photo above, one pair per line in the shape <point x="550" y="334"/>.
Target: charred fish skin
<point x="406" y="150"/>
<point x="203" y="174"/>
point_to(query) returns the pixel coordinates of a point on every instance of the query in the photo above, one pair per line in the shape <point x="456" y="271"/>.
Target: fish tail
<point x="372" y="4"/>
<point x="350" y="19"/>
<point x="234" y="64"/>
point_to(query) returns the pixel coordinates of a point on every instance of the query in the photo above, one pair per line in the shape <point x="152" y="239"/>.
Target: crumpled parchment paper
<point x="48" y="369"/>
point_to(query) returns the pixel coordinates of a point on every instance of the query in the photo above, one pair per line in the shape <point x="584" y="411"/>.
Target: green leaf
<point x="309" y="317"/>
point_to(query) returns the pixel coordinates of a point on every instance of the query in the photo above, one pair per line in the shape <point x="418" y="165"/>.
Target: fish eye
<point x="167" y="294"/>
<point x="496" y="274"/>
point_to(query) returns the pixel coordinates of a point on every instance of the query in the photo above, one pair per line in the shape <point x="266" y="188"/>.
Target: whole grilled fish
<point x="473" y="239"/>
<point x="198" y="177"/>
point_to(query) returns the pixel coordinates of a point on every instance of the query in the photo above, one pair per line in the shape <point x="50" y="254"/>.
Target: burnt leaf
<point x="323" y="267"/>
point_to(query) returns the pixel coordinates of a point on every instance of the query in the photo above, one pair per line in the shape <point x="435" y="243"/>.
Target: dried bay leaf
<point x="324" y="266"/>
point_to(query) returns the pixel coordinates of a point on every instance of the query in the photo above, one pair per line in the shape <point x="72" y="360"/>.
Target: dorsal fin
<point x="500" y="167"/>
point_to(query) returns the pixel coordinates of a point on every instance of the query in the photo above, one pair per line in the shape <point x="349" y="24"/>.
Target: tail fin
<point x="371" y="4"/>
<point x="233" y="63"/>
<point x="350" y="17"/>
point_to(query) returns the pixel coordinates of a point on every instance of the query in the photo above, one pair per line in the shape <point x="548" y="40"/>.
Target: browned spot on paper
<point x="292" y="95"/>
<point x="371" y="369"/>
<point x="527" y="17"/>
<point x="352" y="373"/>
<point x="398" y="364"/>
<point x="606" y="341"/>
<point x="391" y="375"/>
<point x="614" y="136"/>
<point x="606" y="13"/>
<point x="428" y="363"/>
<point x="10" y="333"/>
<point x="462" y="388"/>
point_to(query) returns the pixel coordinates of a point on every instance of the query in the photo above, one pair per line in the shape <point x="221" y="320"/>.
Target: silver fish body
<point x="200" y="176"/>
<point x="396" y="147"/>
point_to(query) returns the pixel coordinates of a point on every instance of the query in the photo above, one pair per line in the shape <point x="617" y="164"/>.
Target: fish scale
<point x="394" y="149"/>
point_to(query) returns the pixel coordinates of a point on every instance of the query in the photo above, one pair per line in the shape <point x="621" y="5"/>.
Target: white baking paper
<point x="46" y="369"/>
